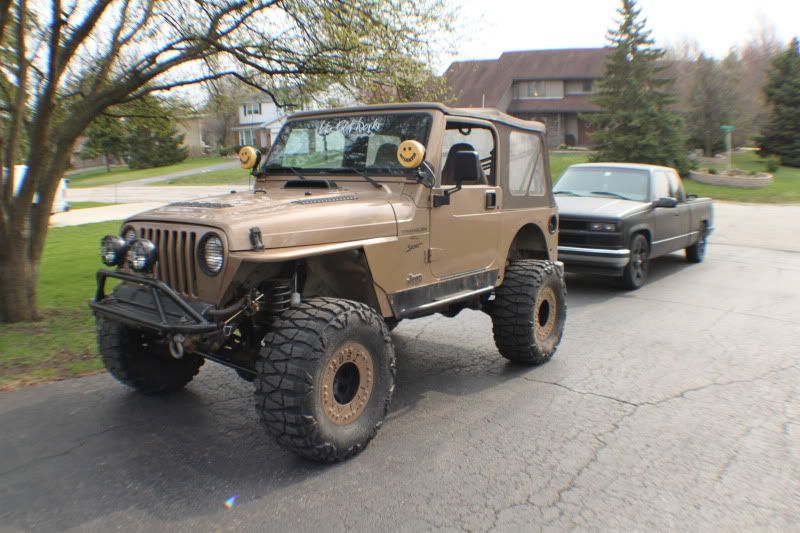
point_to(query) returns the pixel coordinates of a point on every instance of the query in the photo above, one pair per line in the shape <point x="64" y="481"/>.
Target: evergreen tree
<point x="106" y="136"/>
<point x="152" y="140"/>
<point x="636" y="125"/>
<point x="781" y="136"/>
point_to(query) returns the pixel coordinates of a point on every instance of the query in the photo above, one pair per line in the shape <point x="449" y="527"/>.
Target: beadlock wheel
<point x="347" y="383"/>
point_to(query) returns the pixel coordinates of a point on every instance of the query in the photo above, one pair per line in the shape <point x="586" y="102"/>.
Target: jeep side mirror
<point x="467" y="167"/>
<point x="665" y="201"/>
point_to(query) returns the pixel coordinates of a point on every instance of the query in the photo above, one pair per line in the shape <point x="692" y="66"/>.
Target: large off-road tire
<point x="697" y="252"/>
<point x="529" y="311"/>
<point x="131" y="357"/>
<point x="635" y="273"/>
<point x="325" y="378"/>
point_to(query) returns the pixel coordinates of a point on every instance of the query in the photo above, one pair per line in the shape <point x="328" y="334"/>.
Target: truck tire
<point x="325" y="378"/>
<point x="529" y="311"/>
<point x="697" y="252"/>
<point x="635" y="273"/>
<point x="143" y="366"/>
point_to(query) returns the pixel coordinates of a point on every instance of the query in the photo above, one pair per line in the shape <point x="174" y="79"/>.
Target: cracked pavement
<point x="675" y="407"/>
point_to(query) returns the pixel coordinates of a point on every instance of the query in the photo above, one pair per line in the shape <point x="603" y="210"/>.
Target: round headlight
<point x="141" y="255"/>
<point x="112" y="250"/>
<point x="129" y="234"/>
<point x="211" y="254"/>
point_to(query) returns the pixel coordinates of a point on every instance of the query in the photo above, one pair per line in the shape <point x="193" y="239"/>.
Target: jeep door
<point x="464" y="235"/>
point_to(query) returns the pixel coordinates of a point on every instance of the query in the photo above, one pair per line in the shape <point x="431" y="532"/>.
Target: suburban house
<point x="259" y="121"/>
<point x="551" y="86"/>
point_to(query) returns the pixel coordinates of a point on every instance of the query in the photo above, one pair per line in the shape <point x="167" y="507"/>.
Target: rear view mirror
<point x="665" y="201"/>
<point x="467" y="167"/>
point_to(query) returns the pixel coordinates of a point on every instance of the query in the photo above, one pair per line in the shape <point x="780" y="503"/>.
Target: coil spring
<point x="279" y="296"/>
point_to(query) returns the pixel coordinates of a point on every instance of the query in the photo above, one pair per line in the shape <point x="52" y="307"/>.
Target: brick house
<point x="551" y="86"/>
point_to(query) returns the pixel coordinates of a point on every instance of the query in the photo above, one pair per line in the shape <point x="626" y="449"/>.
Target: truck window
<point x="676" y="187"/>
<point x="525" y="164"/>
<point x="660" y="184"/>
<point x="478" y="138"/>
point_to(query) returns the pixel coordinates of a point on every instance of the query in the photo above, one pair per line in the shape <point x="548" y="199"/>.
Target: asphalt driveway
<point x="676" y="407"/>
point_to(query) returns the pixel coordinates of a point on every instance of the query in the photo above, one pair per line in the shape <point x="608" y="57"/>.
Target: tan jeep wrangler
<point x="359" y="218"/>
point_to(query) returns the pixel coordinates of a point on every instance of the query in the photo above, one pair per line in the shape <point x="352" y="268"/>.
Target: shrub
<point x="712" y="170"/>
<point x="773" y="163"/>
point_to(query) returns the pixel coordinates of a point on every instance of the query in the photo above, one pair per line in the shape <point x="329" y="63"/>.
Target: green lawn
<point x="785" y="189"/>
<point x="93" y="178"/>
<point x="62" y="344"/>
<point x="86" y="205"/>
<point x="559" y="161"/>
<point x="230" y="176"/>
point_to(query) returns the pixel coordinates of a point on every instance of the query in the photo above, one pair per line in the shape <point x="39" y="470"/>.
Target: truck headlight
<point x="141" y="255"/>
<point x="211" y="254"/>
<point x="112" y="250"/>
<point x="602" y="226"/>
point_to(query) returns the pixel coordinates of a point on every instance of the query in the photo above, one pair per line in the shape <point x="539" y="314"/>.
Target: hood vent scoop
<point x="310" y="184"/>
<point x="208" y="205"/>
<point x="327" y="199"/>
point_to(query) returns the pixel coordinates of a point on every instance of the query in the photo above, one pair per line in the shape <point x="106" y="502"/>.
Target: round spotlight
<point x="211" y="254"/>
<point x="141" y="255"/>
<point x="112" y="250"/>
<point x="129" y="234"/>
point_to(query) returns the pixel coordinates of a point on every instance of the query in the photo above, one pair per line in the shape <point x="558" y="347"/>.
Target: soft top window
<point x="365" y="142"/>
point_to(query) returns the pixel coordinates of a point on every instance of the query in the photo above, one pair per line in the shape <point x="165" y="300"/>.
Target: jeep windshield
<point x="342" y="144"/>
<point x="622" y="183"/>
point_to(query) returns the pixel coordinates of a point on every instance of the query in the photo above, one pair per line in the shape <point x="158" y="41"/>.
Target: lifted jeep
<point x="358" y="218"/>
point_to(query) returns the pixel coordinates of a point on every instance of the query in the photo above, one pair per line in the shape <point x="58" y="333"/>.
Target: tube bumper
<point x="599" y="257"/>
<point x="149" y="303"/>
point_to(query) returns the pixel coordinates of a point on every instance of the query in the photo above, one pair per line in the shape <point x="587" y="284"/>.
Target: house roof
<point x="484" y="82"/>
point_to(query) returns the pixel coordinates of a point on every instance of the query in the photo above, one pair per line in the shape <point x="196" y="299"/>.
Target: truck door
<point x="669" y="234"/>
<point x="464" y="235"/>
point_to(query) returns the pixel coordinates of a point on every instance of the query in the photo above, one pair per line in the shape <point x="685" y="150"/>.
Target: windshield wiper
<point x="608" y="193"/>
<point x="566" y="192"/>
<point x="293" y="170"/>
<point x="340" y="170"/>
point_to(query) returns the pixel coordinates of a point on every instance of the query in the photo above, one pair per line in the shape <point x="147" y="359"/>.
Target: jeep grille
<point x="175" y="265"/>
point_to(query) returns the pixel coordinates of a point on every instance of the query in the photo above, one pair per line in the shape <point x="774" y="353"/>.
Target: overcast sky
<point x="501" y="25"/>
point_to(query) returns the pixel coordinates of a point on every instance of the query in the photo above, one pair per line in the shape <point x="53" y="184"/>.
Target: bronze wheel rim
<point x="347" y="383"/>
<point x="544" y="314"/>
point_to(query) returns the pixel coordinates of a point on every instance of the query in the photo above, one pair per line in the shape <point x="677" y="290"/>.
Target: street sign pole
<point x="728" y="131"/>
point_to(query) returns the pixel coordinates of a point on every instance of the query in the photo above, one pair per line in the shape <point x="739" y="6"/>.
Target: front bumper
<point x="596" y="257"/>
<point x="149" y="303"/>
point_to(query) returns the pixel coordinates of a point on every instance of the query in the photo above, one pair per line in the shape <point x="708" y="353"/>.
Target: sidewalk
<point x="101" y="214"/>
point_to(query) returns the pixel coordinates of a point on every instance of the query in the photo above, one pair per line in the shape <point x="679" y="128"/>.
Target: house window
<point x="540" y="89"/>
<point x="252" y="109"/>
<point x="580" y="86"/>
<point x="247" y="137"/>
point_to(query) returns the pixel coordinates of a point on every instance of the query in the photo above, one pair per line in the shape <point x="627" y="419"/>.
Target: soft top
<point x="484" y="113"/>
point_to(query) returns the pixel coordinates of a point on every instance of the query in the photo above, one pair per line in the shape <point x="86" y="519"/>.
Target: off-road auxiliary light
<point x="112" y="250"/>
<point x="141" y="255"/>
<point x="602" y="226"/>
<point x="211" y="254"/>
<point x="129" y="234"/>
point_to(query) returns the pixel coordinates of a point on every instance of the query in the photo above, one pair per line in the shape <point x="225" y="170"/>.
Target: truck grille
<point x="175" y="265"/>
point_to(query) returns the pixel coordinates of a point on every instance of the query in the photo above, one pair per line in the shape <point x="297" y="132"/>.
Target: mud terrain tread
<point x="138" y="368"/>
<point x="291" y="353"/>
<point x="512" y="311"/>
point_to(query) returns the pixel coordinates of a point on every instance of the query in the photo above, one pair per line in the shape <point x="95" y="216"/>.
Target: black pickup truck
<point x="615" y="217"/>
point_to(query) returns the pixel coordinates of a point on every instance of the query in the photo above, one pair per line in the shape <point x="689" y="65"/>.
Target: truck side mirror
<point x="665" y="201"/>
<point x="467" y="167"/>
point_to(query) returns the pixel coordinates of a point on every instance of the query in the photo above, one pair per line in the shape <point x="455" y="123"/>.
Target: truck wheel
<point x="697" y="252"/>
<point x="142" y="365"/>
<point x="529" y="311"/>
<point x="325" y="377"/>
<point x="635" y="273"/>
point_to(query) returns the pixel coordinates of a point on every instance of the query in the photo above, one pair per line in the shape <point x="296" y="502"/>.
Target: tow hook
<point x="176" y="346"/>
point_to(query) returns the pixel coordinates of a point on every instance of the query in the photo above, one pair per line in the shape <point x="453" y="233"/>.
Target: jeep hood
<point x="595" y="206"/>
<point x="287" y="217"/>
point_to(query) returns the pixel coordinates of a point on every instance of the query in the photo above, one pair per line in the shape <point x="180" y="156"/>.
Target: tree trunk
<point x="18" y="279"/>
<point x="108" y="162"/>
